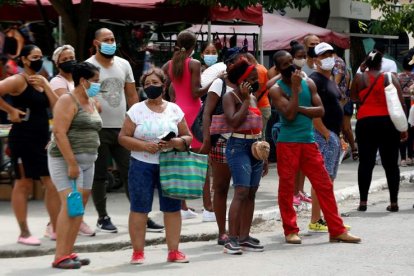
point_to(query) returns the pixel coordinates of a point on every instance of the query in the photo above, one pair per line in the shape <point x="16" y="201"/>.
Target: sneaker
<point x="188" y="214"/>
<point x="85" y="230"/>
<point x="137" y="257"/>
<point x="232" y="247"/>
<point x="152" y="226"/>
<point x="209" y="216"/>
<point x="304" y="198"/>
<point x="403" y="163"/>
<point x="222" y="239"/>
<point x="105" y="225"/>
<point x="318" y="227"/>
<point x="49" y="232"/>
<point x="254" y="239"/>
<point x="31" y="240"/>
<point x="176" y="256"/>
<point x="296" y="200"/>
<point x="250" y="245"/>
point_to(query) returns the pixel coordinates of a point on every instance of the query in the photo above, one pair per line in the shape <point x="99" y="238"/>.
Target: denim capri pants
<point x="143" y="178"/>
<point x="246" y="170"/>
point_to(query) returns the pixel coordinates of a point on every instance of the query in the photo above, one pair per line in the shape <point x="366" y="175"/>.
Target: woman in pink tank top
<point x="185" y="74"/>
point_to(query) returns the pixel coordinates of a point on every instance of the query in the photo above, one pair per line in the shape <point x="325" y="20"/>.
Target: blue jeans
<point x="246" y="170"/>
<point x="143" y="179"/>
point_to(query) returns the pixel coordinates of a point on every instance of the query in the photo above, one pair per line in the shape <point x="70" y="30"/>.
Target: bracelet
<point x="185" y="143"/>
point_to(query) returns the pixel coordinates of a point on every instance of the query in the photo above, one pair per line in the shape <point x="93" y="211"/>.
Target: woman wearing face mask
<point x="185" y="75"/>
<point x="64" y="59"/>
<point x="209" y="55"/>
<point x="72" y="154"/>
<point x="31" y="96"/>
<point x="245" y="169"/>
<point x="142" y="134"/>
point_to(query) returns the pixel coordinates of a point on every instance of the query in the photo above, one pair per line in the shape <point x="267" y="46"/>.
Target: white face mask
<point x="299" y="62"/>
<point x="327" y="63"/>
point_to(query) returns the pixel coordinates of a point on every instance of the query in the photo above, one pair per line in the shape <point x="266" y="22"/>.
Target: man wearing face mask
<point x="117" y="93"/>
<point x="310" y="42"/>
<point x="328" y="127"/>
<point x="297" y="102"/>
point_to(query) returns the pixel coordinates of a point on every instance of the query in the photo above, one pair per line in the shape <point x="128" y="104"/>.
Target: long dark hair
<point x="185" y="41"/>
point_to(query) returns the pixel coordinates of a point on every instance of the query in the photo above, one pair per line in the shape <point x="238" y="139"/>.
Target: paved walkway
<point x="194" y="229"/>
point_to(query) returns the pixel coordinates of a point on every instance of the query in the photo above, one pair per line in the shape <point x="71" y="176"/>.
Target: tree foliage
<point x="395" y="19"/>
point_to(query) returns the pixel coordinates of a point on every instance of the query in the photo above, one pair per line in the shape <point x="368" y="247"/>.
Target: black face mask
<point x="153" y="91"/>
<point x="67" y="66"/>
<point x="36" y="65"/>
<point x="254" y="87"/>
<point x="287" y="72"/>
<point x="311" y="52"/>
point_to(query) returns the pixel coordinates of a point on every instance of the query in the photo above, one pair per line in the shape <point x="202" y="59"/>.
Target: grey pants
<point x="109" y="148"/>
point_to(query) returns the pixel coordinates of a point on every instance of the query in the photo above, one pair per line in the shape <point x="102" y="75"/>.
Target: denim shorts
<point x="58" y="169"/>
<point x="246" y="170"/>
<point x="331" y="152"/>
<point x="143" y="178"/>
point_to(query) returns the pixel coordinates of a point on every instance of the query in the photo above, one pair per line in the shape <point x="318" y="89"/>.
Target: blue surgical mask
<point x="94" y="89"/>
<point x="108" y="49"/>
<point x="210" y="59"/>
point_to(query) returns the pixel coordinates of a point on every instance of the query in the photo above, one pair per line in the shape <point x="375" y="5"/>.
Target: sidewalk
<point x="193" y="229"/>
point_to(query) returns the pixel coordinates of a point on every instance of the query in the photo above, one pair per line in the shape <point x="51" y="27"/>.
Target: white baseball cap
<point x="323" y="47"/>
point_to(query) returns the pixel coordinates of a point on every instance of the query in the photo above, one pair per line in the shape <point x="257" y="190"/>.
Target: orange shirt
<point x="263" y="79"/>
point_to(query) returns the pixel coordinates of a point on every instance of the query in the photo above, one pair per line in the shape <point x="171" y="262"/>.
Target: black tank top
<point x="37" y="126"/>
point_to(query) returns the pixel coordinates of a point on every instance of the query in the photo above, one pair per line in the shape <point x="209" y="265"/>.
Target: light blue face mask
<point x="108" y="49"/>
<point x="210" y="59"/>
<point x="94" y="89"/>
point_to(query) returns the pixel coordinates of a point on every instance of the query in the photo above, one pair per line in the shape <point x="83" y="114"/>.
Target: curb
<point x="272" y="213"/>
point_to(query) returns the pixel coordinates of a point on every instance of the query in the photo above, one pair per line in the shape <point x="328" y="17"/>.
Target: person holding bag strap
<point x="375" y="130"/>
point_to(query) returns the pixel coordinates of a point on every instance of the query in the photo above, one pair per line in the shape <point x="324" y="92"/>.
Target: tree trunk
<point x="320" y="16"/>
<point x="75" y="22"/>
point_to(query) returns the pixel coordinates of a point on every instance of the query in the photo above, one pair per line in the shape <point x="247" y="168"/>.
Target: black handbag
<point x="197" y="127"/>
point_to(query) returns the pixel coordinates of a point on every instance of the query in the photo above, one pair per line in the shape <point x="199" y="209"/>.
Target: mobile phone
<point x="167" y="136"/>
<point x="23" y="117"/>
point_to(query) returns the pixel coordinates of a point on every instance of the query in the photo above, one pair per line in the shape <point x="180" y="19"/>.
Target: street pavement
<point x="192" y="230"/>
<point x="387" y="248"/>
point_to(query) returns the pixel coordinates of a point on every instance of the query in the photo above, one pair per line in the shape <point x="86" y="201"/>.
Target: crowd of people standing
<point x="98" y="117"/>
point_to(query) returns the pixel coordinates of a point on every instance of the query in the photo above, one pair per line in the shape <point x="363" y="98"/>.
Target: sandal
<point x="76" y="258"/>
<point x="355" y="155"/>
<point x="66" y="262"/>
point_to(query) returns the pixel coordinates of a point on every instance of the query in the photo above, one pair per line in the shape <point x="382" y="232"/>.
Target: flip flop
<point x="31" y="240"/>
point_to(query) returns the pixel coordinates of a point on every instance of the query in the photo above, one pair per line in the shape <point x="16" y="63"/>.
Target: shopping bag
<point x="74" y="202"/>
<point x="182" y="174"/>
<point x="394" y="106"/>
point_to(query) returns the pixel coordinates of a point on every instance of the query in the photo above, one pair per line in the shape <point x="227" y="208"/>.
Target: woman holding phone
<point x="144" y="135"/>
<point x="31" y="96"/>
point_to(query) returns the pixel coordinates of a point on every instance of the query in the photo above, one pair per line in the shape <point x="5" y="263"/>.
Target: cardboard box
<point x="5" y="191"/>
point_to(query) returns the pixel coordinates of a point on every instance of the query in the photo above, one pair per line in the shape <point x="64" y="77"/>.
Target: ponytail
<point x="185" y="41"/>
<point x="178" y="59"/>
